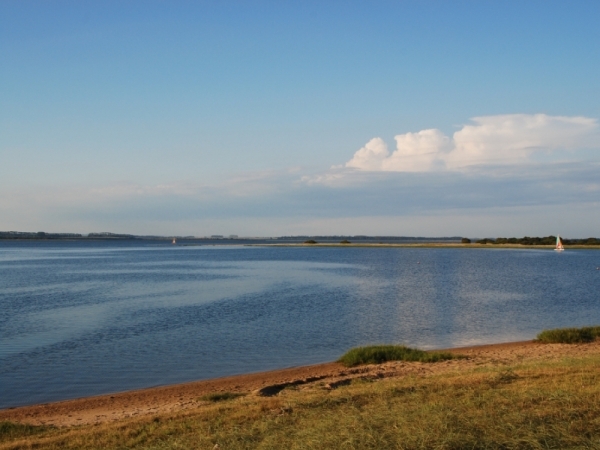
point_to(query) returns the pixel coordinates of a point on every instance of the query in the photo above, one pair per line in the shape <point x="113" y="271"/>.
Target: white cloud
<point x="514" y="138"/>
<point x="502" y="139"/>
<point x="415" y="152"/>
<point x="418" y="152"/>
<point x="371" y="156"/>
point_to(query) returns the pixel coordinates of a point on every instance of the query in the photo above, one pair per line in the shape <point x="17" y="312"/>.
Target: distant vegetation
<point x="37" y="235"/>
<point x="345" y="241"/>
<point x="548" y="240"/>
<point x="44" y="235"/>
<point x="569" y="335"/>
<point x="377" y="354"/>
<point x="106" y="235"/>
<point x="354" y="238"/>
<point x="465" y="241"/>
<point x="310" y="241"/>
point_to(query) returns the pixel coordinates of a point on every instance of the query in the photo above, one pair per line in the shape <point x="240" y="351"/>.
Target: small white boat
<point x="559" y="245"/>
<point x="174" y="241"/>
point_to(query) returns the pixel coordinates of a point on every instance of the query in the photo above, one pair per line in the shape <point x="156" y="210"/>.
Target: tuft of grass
<point x="10" y="430"/>
<point x="377" y="354"/>
<point x="569" y="335"/>
<point x="220" y="396"/>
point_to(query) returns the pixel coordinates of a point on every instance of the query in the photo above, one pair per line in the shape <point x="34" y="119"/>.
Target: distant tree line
<point x="107" y="235"/>
<point x="44" y="235"/>
<point x="37" y="235"/>
<point x="548" y="240"/>
<point x="336" y="237"/>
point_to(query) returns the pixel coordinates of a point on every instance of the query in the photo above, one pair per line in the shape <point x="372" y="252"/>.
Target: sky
<point x="269" y="118"/>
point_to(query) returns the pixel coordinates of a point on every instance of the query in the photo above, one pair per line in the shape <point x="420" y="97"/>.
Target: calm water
<point x="87" y="318"/>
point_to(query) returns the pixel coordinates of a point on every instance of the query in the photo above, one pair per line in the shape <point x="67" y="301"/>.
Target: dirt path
<point x="185" y="396"/>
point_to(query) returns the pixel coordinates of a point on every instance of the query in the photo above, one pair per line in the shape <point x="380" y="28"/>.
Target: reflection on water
<point x="79" y="319"/>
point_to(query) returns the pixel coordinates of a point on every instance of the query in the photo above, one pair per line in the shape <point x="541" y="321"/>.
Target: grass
<point x="377" y="354"/>
<point x="569" y="335"/>
<point x="549" y="405"/>
<point x="221" y="396"/>
<point x="10" y="431"/>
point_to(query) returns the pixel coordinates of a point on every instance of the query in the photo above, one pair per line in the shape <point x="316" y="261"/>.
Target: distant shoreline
<point x="429" y="245"/>
<point x="193" y="242"/>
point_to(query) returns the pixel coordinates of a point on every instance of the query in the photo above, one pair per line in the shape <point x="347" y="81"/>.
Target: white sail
<point x="559" y="245"/>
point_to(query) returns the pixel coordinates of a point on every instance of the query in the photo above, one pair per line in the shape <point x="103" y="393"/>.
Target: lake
<point x="87" y="318"/>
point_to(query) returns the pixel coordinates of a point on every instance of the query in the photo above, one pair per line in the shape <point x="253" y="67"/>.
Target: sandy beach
<point x="187" y="396"/>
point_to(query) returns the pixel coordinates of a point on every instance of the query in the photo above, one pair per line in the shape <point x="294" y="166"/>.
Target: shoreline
<point x="191" y="395"/>
<point x="184" y="243"/>
<point x="428" y="245"/>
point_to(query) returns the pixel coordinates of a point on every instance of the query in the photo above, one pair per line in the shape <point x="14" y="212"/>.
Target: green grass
<point x="10" y="431"/>
<point x="220" y="396"/>
<point x="569" y="335"/>
<point x="377" y="354"/>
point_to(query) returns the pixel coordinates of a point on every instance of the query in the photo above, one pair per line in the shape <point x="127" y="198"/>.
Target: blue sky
<point x="469" y="118"/>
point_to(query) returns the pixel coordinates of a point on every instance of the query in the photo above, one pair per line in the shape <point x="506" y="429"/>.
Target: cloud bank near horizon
<point x="500" y="139"/>
<point x="480" y="202"/>
<point x="495" y="176"/>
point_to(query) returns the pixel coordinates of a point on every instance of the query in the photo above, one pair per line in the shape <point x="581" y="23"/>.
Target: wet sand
<point x="180" y="397"/>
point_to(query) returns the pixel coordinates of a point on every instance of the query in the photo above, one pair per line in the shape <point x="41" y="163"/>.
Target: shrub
<point x="569" y="335"/>
<point x="465" y="241"/>
<point x="345" y="241"/>
<point x="310" y="241"/>
<point x="377" y="354"/>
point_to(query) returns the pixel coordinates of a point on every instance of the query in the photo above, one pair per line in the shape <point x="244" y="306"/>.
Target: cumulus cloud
<point x="415" y="152"/>
<point x="514" y="138"/>
<point x="501" y="139"/>
<point x="371" y="156"/>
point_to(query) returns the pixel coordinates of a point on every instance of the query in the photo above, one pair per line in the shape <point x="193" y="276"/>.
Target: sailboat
<point x="559" y="245"/>
<point x="174" y="241"/>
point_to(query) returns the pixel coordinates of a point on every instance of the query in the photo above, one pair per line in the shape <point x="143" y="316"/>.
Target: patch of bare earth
<point x="187" y="396"/>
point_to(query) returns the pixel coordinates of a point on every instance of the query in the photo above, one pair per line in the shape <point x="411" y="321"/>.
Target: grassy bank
<point x="569" y="335"/>
<point x="522" y="406"/>
<point x="377" y="354"/>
